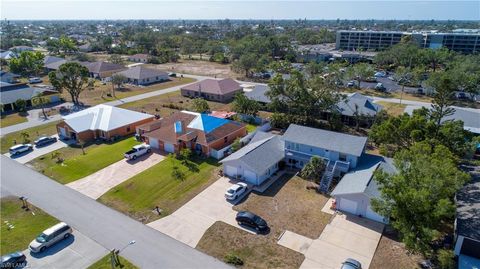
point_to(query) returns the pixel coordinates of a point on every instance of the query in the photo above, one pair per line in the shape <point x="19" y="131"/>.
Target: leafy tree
<point x="116" y="59"/>
<point x="444" y="87"/>
<point x="117" y="81"/>
<point x="436" y="57"/>
<point x="314" y="169"/>
<point x="28" y="63"/>
<point x="245" y="63"/>
<point x="241" y="104"/>
<point x="419" y="199"/>
<point x="21" y="105"/>
<point x="446" y="258"/>
<point x="40" y="100"/>
<point x="403" y="75"/>
<point x="185" y="155"/>
<point x="360" y="72"/>
<point x="200" y="105"/>
<point x="236" y="145"/>
<point x="72" y="77"/>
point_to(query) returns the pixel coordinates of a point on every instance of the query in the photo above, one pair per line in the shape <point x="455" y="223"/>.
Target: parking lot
<point x="77" y="251"/>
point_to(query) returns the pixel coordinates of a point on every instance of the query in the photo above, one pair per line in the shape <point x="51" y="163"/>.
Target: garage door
<point x="169" y="147"/>
<point x="370" y="214"/>
<point x="153" y="143"/>
<point x="250" y="177"/>
<point x="348" y="206"/>
<point x="63" y="132"/>
<point x="231" y="171"/>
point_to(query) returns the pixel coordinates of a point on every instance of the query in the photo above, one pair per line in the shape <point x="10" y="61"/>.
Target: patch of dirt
<point x="197" y="67"/>
<point x="391" y="253"/>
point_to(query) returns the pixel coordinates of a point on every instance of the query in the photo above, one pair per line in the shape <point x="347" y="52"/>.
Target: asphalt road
<point x="106" y="226"/>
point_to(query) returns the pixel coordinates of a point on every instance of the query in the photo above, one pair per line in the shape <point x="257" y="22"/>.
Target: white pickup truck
<point x="137" y="151"/>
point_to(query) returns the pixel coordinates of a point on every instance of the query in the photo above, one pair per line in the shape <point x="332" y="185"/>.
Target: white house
<point x="138" y="58"/>
<point x="257" y="161"/>
<point x="356" y="189"/>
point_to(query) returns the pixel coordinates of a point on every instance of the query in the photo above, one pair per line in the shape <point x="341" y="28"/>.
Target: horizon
<point x="388" y="10"/>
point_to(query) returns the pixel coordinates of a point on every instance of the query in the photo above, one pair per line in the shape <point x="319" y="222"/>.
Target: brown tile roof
<point x="167" y="131"/>
<point x="214" y="86"/>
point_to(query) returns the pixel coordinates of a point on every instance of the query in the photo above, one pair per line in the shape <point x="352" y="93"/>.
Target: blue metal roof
<point x="467" y="262"/>
<point x="207" y="123"/>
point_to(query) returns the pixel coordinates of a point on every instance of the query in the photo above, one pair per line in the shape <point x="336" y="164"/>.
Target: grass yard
<point x="27" y="225"/>
<point x="251" y="127"/>
<point x="105" y="263"/>
<point x="33" y="133"/>
<point x="392" y="254"/>
<point x="12" y="119"/>
<point x="288" y="205"/>
<point x="138" y="196"/>
<point x="393" y="109"/>
<point x="166" y="104"/>
<point x="256" y="251"/>
<point x="76" y="165"/>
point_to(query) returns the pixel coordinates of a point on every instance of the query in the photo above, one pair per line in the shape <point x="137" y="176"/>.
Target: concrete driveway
<point x="189" y="223"/>
<point x="77" y="251"/>
<point x="345" y="237"/>
<point x="98" y="183"/>
<point x="37" y="152"/>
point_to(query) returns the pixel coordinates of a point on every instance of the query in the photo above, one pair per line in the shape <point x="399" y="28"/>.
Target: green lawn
<point x="33" y="133"/>
<point x="155" y="186"/>
<point x="105" y="263"/>
<point x="76" y="165"/>
<point x="12" y="119"/>
<point x="27" y="225"/>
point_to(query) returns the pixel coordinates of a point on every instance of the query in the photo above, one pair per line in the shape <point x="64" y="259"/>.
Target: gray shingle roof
<point x="361" y="179"/>
<point x="9" y="96"/>
<point x="261" y="153"/>
<point x="214" y="86"/>
<point x="359" y="103"/>
<point x="141" y="72"/>
<point x="51" y="59"/>
<point x="468" y="209"/>
<point x="258" y="94"/>
<point x="333" y="141"/>
<point x="470" y="118"/>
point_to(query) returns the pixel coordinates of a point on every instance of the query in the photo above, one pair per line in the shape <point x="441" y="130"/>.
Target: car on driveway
<point x="380" y="74"/>
<point x="50" y="236"/>
<point x="380" y="87"/>
<point x="20" y="148"/>
<point x="34" y="80"/>
<point x="235" y="191"/>
<point x="137" y="151"/>
<point x="13" y="260"/>
<point x="45" y="140"/>
<point x="245" y="218"/>
<point x="351" y="84"/>
<point x="351" y="264"/>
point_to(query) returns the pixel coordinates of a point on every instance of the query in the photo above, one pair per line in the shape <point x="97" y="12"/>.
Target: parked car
<point x="235" y="191"/>
<point x="351" y="264"/>
<point x="392" y="78"/>
<point x="371" y="79"/>
<point x="420" y="91"/>
<point x="245" y="218"/>
<point x="45" y="140"/>
<point x="20" y="148"/>
<point x="34" y="80"/>
<point x="137" y="151"/>
<point x="380" y="74"/>
<point x="50" y="236"/>
<point x="13" y="260"/>
<point x="171" y="74"/>
<point x="351" y="84"/>
<point x="461" y="96"/>
<point x="380" y="87"/>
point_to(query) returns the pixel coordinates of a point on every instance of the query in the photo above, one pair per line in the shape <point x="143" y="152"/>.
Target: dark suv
<point x="245" y="218"/>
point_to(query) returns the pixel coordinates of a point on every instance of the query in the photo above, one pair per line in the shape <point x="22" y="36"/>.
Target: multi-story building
<point x="380" y="40"/>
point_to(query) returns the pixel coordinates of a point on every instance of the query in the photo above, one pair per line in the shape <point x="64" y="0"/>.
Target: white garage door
<point x="348" y="206"/>
<point x="63" y="132"/>
<point x="250" y="177"/>
<point x="169" y="147"/>
<point x="370" y="214"/>
<point x="230" y="171"/>
<point x="153" y="143"/>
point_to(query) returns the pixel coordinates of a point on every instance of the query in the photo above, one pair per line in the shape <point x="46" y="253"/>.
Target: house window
<point x="225" y="139"/>
<point x="342" y="157"/>
<point x="311" y="149"/>
<point x="128" y="129"/>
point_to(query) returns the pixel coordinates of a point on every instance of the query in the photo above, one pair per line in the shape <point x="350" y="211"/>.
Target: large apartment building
<point x="380" y="40"/>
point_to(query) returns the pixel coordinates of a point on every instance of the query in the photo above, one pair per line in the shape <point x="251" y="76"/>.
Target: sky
<point x="158" y="9"/>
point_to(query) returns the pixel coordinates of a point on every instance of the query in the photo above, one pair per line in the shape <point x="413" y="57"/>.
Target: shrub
<point x="445" y="259"/>
<point x="233" y="259"/>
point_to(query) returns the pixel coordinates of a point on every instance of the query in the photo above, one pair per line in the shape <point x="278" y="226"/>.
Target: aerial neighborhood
<point x="337" y="144"/>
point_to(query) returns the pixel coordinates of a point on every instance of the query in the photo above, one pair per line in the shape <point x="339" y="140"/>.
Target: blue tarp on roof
<point x="467" y="262"/>
<point x="207" y="123"/>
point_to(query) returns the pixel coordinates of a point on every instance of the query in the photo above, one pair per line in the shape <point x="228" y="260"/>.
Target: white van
<point x="50" y="236"/>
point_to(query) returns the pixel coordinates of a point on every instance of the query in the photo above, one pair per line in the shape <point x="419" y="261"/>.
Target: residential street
<point x="106" y="226"/>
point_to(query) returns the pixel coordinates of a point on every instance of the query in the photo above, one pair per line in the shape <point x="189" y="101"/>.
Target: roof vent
<point x="178" y="127"/>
